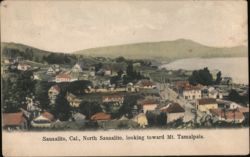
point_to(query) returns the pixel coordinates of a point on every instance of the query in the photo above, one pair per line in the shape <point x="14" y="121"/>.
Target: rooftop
<point x="101" y="116"/>
<point x="229" y="114"/>
<point x="173" y="108"/>
<point x="207" y="101"/>
<point x="13" y="118"/>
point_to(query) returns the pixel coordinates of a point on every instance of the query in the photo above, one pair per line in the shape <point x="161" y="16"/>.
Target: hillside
<point x="12" y="50"/>
<point x="166" y="50"/>
<point x="23" y="48"/>
<point x="170" y="50"/>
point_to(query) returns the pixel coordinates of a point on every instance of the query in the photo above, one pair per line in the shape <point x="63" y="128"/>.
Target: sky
<point x="67" y="26"/>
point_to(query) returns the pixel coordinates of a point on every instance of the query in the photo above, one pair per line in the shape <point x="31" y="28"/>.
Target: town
<point x="89" y="93"/>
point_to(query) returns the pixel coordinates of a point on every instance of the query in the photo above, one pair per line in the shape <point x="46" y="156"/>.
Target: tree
<point x="128" y="104"/>
<point x="218" y="78"/>
<point x="62" y="109"/>
<point x="119" y="73"/>
<point x="16" y="87"/>
<point x="234" y="96"/>
<point x="77" y="87"/>
<point x="202" y="76"/>
<point x="41" y="92"/>
<point x="89" y="108"/>
<point x="98" y="66"/>
<point x="120" y="59"/>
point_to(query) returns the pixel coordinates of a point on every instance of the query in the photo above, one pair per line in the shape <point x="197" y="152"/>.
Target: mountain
<point x="165" y="50"/>
<point x="12" y="50"/>
<point x="22" y="48"/>
<point x="177" y="49"/>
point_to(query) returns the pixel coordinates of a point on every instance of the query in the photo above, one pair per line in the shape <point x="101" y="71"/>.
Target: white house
<point x="148" y="105"/>
<point x="173" y="112"/>
<point x="191" y="92"/>
<point x="146" y="84"/>
<point x="113" y="98"/>
<point x="65" y="77"/>
<point x="77" y="68"/>
<point x="73" y="100"/>
<point x="107" y="72"/>
<point x="23" y="67"/>
<point x="215" y="94"/>
<point x="43" y="121"/>
<point x="51" y="71"/>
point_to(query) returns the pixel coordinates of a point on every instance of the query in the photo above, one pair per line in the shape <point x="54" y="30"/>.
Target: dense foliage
<point x="202" y="76"/>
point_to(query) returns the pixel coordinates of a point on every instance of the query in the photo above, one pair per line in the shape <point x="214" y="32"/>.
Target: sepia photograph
<point x="124" y="77"/>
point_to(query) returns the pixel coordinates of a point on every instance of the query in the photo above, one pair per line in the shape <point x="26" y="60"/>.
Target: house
<point x="228" y="115"/>
<point x="43" y="121"/>
<point x="141" y="119"/>
<point x="18" y="59"/>
<point x="113" y="98"/>
<point x="148" y="105"/>
<point x="9" y="61"/>
<point x="228" y="104"/>
<point x="32" y="107"/>
<point x="131" y="88"/>
<point x="191" y="92"/>
<point x="206" y="104"/>
<point x="173" y="111"/>
<point x="79" y="118"/>
<point x="14" y="121"/>
<point x="36" y="76"/>
<point x="101" y="116"/>
<point x="77" y="68"/>
<point x="211" y="92"/>
<point x="53" y="92"/>
<point x="63" y="77"/>
<point x="73" y="100"/>
<point x="23" y="67"/>
<point x="188" y="91"/>
<point x="226" y="81"/>
<point x="51" y="71"/>
<point x="108" y="72"/>
<point x="146" y="84"/>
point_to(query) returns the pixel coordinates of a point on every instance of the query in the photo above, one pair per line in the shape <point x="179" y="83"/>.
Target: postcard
<point x="124" y="78"/>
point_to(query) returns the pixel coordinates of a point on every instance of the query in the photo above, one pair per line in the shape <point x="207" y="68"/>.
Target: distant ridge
<point x="165" y="50"/>
<point x="176" y="49"/>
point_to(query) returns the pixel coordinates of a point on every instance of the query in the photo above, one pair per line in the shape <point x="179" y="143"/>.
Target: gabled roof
<point x="149" y="102"/>
<point x="173" y="108"/>
<point x="56" y="87"/>
<point x="207" y="101"/>
<point x="146" y="82"/>
<point x="101" y="116"/>
<point x="47" y="115"/>
<point x="13" y="118"/>
<point x="63" y="75"/>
